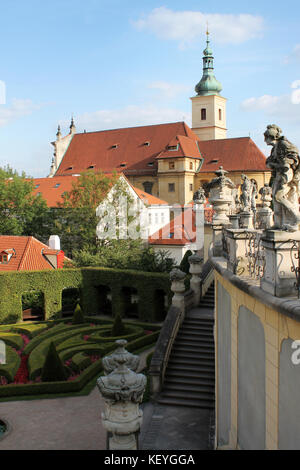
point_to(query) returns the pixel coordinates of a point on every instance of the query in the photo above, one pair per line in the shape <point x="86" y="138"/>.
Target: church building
<point x="170" y="161"/>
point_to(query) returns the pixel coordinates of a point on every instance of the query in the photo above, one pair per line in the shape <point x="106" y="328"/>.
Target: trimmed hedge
<point x="52" y="283"/>
<point x="12" y="339"/>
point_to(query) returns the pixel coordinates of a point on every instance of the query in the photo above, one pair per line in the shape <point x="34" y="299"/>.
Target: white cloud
<point x="129" y="116"/>
<point x="168" y="90"/>
<point x="17" y="109"/>
<point x="294" y="56"/>
<point x="187" y="26"/>
<point x="282" y="107"/>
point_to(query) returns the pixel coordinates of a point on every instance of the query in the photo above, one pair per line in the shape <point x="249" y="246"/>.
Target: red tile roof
<point x="239" y="154"/>
<point x="133" y="155"/>
<point x="96" y="148"/>
<point x="52" y="189"/>
<point x="27" y="254"/>
<point x="181" y="230"/>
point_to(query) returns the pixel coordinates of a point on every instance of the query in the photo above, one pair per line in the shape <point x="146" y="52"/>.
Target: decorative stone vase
<point x="196" y="263"/>
<point x="110" y="362"/>
<point x="178" y="287"/>
<point x="221" y="196"/>
<point x="122" y="391"/>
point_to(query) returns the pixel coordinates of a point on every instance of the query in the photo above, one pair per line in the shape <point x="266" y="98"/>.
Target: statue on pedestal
<point x="284" y="163"/>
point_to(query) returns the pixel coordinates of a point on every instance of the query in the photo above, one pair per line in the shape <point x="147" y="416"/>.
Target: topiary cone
<point x="118" y="328"/>
<point x="53" y="369"/>
<point x="78" y="316"/>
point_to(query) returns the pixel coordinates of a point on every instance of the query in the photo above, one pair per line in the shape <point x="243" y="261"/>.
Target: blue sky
<point x="121" y="63"/>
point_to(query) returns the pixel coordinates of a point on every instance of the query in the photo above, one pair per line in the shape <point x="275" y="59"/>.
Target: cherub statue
<point x="284" y="163"/>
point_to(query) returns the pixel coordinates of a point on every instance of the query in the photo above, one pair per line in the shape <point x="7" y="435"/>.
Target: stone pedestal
<point x="195" y="282"/>
<point x="218" y="248"/>
<point x="234" y="221"/>
<point x="178" y="287"/>
<point x="278" y="278"/>
<point x="265" y="218"/>
<point x="246" y="220"/>
<point x="237" y="247"/>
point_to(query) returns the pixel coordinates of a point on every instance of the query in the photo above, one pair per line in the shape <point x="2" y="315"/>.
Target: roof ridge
<point x="130" y="127"/>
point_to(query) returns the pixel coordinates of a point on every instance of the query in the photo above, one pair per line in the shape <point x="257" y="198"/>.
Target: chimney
<point x="54" y="242"/>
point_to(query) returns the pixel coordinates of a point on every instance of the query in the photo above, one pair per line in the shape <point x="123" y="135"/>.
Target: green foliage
<point x="185" y="265"/>
<point x="125" y="254"/>
<point x="118" y="328"/>
<point x="34" y="300"/>
<point x="78" y="316"/>
<point x="21" y="212"/>
<point x="12" y="365"/>
<point x="53" y="369"/>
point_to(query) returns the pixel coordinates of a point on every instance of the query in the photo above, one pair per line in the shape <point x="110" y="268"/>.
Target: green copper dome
<point x="208" y="84"/>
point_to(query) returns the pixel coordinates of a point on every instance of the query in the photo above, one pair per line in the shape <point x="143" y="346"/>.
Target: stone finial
<point x="110" y="362"/>
<point x="177" y="275"/>
<point x="199" y="196"/>
<point x="221" y="196"/>
<point x="195" y="259"/>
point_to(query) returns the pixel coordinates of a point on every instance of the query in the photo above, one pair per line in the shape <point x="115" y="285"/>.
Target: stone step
<point x="192" y="355"/>
<point x="196" y="328"/>
<point x="203" y="381"/>
<point x="193" y="349"/>
<point x="189" y="388"/>
<point x="195" y="332"/>
<point x="198" y="338"/>
<point x="194" y="394"/>
<point x="206" y="404"/>
<point x="205" y="366"/>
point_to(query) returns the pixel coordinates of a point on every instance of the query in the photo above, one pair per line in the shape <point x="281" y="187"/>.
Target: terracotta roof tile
<point x="27" y="254"/>
<point x="52" y="189"/>
<point x="239" y="154"/>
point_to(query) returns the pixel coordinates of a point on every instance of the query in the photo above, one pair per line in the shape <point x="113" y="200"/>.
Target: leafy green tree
<point x="21" y="212"/>
<point x="75" y="220"/>
<point x="185" y="265"/>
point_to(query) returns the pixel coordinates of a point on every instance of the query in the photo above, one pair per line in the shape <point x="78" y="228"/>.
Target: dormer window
<point x="150" y="163"/>
<point x="123" y="164"/>
<point x="3" y="258"/>
<point x="57" y="185"/>
<point x="114" y="146"/>
<point x="147" y="143"/>
<point x="69" y="168"/>
<point x="173" y="147"/>
<point x="214" y="161"/>
<point x="36" y="186"/>
<point x="91" y="167"/>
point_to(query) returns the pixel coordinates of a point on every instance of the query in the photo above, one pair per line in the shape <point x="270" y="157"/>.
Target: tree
<point x="75" y="220"/>
<point x="118" y="328"/>
<point x="21" y="212"/>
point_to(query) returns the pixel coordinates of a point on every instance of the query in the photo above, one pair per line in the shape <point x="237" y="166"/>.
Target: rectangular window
<point x="220" y="114"/>
<point x="203" y="114"/>
<point x="171" y="165"/>
<point x="156" y="218"/>
<point x="191" y="187"/>
<point x="171" y="187"/>
<point x="191" y="166"/>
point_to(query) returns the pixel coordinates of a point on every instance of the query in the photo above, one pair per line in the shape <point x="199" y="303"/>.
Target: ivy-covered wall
<point x="149" y="286"/>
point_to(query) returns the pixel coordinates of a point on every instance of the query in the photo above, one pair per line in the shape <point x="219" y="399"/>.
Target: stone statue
<point x="246" y="194"/>
<point x="284" y="163"/>
<point x="266" y="195"/>
<point x="254" y="194"/>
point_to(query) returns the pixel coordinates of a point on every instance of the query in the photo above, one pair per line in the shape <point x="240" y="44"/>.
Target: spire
<point x="72" y="126"/>
<point x="58" y="133"/>
<point x="208" y="84"/>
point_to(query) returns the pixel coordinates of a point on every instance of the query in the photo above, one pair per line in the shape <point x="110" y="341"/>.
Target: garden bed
<point x="80" y="348"/>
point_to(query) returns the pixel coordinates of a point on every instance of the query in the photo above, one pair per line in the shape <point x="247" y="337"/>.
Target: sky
<point x="124" y="63"/>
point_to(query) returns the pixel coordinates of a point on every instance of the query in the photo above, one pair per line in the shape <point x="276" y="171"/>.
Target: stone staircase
<point x="190" y="375"/>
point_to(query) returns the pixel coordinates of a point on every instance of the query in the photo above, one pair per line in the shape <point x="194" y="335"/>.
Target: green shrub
<point x="118" y="328"/>
<point x="12" y="365"/>
<point x="53" y="370"/>
<point x="78" y="317"/>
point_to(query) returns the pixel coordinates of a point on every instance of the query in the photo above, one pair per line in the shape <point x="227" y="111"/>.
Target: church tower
<point x="208" y="106"/>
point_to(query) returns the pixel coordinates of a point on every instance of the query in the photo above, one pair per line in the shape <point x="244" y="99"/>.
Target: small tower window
<point x="220" y="114"/>
<point x="148" y="185"/>
<point x="191" y="166"/>
<point x="171" y="165"/>
<point x="191" y="187"/>
<point x="203" y="114"/>
<point x="171" y="187"/>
